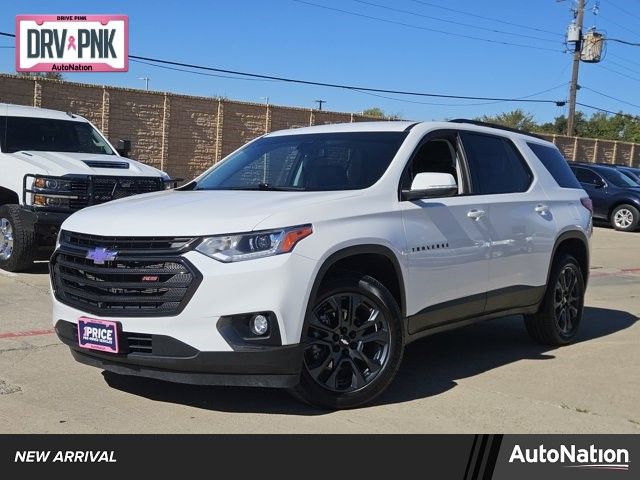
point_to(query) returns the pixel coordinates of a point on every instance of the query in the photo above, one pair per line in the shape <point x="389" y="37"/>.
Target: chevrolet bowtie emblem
<point x="100" y="255"/>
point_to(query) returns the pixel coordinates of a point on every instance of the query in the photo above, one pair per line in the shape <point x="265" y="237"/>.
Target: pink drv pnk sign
<point x="72" y="43"/>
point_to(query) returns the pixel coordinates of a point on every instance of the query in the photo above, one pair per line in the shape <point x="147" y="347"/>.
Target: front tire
<point x="625" y="218"/>
<point x="17" y="240"/>
<point x="556" y="322"/>
<point x="353" y="341"/>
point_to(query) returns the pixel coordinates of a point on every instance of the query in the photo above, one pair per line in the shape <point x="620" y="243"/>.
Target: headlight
<point x="51" y="192"/>
<point x="50" y="183"/>
<point x="247" y="246"/>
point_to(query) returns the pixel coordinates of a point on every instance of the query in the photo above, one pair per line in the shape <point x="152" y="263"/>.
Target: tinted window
<point x="3" y="126"/>
<point x="586" y="176"/>
<point x="634" y="174"/>
<point x="45" y="134"/>
<point x="495" y="164"/>
<point x="618" y="178"/>
<point x="312" y="162"/>
<point x="556" y="164"/>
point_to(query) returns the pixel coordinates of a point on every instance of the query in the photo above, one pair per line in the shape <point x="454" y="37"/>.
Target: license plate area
<point x="101" y="335"/>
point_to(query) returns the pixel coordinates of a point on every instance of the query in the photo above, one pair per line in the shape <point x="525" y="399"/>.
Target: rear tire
<point x="556" y="322"/>
<point x="17" y="240"/>
<point x="625" y="218"/>
<point x="353" y="344"/>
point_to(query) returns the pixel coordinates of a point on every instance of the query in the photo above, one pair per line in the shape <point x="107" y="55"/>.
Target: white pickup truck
<point x="52" y="164"/>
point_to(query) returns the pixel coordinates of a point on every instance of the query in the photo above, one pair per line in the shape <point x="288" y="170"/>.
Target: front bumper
<point x="174" y="361"/>
<point x="189" y="347"/>
<point x="45" y="223"/>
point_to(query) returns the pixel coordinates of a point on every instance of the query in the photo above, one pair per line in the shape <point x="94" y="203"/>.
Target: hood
<point x="194" y="213"/>
<point x="63" y="163"/>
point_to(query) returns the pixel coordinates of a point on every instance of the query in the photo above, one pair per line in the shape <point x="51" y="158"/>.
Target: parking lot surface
<point x="489" y="377"/>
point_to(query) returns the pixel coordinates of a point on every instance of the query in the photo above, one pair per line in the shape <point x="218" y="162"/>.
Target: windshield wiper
<point x="259" y="186"/>
<point x="266" y="186"/>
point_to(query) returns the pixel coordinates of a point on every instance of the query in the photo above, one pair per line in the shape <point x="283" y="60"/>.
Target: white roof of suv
<point x="399" y="126"/>
<point x="24" y="111"/>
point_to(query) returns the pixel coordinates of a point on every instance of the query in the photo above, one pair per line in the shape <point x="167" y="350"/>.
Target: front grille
<point x="126" y="245"/>
<point x="146" y="277"/>
<point x="106" y="189"/>
<point x="95" y="190"/>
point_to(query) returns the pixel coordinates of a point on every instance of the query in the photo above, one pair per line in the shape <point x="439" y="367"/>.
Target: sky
<point x="409" y="45"/>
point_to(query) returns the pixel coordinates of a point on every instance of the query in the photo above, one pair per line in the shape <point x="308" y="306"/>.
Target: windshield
<point x="307" y="162"/>
<point x="618" y="179"/>
<point x="50" y="135"/>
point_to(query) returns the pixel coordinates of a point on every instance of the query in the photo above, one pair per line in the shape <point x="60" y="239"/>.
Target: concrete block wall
<point x="184" y="135"/>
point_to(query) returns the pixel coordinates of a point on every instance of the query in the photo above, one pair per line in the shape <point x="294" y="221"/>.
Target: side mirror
<point x="430" y="185"/>
<point x="124" y="147"/>
<point x="599" y="183"/>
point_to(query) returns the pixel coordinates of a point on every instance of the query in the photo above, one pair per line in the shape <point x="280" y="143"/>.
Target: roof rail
<point x="495" y="125"/>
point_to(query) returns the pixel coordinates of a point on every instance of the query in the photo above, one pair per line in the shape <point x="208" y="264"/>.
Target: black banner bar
<point x="465" y="457"/>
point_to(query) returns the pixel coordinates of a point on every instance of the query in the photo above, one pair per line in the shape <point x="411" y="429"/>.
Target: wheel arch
<point x="371" y="259"/>
<point x="576" y="243"/>
<point x="623" y="201"/>
<point x="8" y="197"/>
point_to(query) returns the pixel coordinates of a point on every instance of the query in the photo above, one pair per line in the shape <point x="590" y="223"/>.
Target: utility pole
<point x="320" y="102"/>
<point x="146" y="82"/>
<point x="573" y="89"/>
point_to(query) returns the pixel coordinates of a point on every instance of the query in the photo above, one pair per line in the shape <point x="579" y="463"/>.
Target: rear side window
<point x="556" y="164"/>
<point x="587" y="176"/>
<point x="495" y="165"/>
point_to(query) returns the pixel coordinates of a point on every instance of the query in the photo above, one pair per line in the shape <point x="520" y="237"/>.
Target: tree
<point x="514" y="119"/>
<point x="374" y="112"/>
<point x="377" y="112"/>
<point x="51" y="75"/>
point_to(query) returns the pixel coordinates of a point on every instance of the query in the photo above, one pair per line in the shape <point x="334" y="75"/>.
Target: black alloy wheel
<point x="348" y="342"/>
<point x="353" y="340"/>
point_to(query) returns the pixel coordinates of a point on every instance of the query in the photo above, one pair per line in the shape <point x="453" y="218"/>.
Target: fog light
<point x="259" y="325"/>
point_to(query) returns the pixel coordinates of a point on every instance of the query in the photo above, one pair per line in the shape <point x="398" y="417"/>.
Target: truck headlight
<point x="51" y="183"/>
<point x="51" y="192"/>
<point x="247" y="246"/>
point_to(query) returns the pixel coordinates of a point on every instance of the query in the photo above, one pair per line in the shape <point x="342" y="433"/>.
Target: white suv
<point x="309" y="258"/>
<point x="52" y="164"/>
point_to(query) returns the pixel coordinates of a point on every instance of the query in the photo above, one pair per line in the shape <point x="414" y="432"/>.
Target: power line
<point x="627" y="12"/>
<point x="333" y="85"/>
<point x="624" y="66"/>
<point x="623" y="58"/>
<point x="518" y="99"/>
<point x="321" y="84"/>
<point x="358" y="88"/>
<point x="418" y="27"/>
<point x="505" y="22"/>
<point x="625" y="42"/>
<point x="632" y="117"/>
<point x="202" y="73"/>
<point x="609" y="96"/>
<point x="618" y="25"/>
<point x="365" y="91"/>
<point x="620" y="73"/>
<point x="469" y="25"/>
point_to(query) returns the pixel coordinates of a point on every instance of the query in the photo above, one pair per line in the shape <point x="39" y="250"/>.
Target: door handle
<point x="476" y="214"/>
<point x="542" y="209"/>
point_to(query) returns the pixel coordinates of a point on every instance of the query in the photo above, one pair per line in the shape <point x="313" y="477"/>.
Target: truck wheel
<point x="353" y="344"/>
<point x="17" y="240"/>
<point x="625" y="218"/>
<point x="556" y="322"/>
